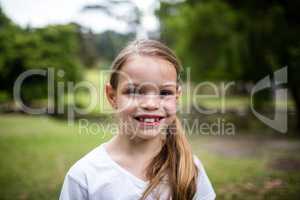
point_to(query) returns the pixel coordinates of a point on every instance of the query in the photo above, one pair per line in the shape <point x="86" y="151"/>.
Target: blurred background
<point x="217" y="41"/>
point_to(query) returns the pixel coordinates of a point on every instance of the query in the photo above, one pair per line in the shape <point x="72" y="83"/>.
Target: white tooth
<point x="149" y="120"/>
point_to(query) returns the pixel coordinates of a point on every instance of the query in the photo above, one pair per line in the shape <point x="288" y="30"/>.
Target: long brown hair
<point x="175" y="160"/>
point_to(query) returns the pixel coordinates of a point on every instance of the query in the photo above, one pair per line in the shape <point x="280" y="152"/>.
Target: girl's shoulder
<point x="86" y="166"/>
<point x="205" y="189"/>
<point x="199" y="164"/>
<point x="197" y="161"/>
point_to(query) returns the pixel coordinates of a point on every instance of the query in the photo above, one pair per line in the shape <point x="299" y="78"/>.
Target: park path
<point x="283" y="152"/>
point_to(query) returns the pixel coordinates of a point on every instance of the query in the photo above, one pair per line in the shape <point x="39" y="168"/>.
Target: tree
<point x="88" y="50"/>
<point x="10" y="64"/>
<point x="207" y="38"/>
<point x="115" y="8"/>
<point x="241" y="40"/>
<point x="272" y="30"/>
<point x="54" y="47"/>
<point x="109" y="43"/>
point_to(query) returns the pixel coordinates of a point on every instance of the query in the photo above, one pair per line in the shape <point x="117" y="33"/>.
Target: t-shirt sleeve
<point x="205" y="190"/>
<point x="72" y="190"/>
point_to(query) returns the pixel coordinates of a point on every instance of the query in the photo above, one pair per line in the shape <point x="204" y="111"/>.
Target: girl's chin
<point x="148" y="134"/>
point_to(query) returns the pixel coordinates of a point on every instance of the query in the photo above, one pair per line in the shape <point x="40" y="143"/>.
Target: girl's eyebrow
<point x="132" y="84"/>
<point x="169" y="84"/>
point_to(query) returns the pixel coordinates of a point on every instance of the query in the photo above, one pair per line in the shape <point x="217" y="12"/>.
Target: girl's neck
<point x="136" y="147"/>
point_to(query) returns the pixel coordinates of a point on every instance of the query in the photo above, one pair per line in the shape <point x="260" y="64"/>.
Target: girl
<point x="150" y="157"/>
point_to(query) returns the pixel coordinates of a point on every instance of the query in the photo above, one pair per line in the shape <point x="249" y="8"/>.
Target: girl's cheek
<point x="170" y="106"/>
<point x="125" y="103"/>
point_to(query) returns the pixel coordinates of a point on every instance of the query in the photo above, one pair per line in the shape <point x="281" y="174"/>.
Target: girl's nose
<point x="150" y="102"/>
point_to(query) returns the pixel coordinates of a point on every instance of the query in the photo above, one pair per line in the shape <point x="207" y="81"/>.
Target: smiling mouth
<point x="149" y="120"/>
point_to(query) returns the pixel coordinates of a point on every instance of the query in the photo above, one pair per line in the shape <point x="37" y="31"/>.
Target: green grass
<point x="36" y="153"/>
<point x="236" y="175"/>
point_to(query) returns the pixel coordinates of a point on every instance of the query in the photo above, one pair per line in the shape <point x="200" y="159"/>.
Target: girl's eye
<point x="132" y="91"/>
<point x="166" y="92"/>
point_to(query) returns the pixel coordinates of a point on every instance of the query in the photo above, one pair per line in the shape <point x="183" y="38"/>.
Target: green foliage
<point x="59" y="48"/>
<point x="8" y="58"/>
<point x="235" y="40"/>
<point x="207" y="38"/>
<point x="243" y="40"/>
<point x="101" y="47"/>
<point x="54" y="47"/>
<point x="109" y="43"/>
<point x="88" y="51"/>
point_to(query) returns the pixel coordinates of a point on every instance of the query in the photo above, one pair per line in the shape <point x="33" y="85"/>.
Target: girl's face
<point x="145" y="97"/>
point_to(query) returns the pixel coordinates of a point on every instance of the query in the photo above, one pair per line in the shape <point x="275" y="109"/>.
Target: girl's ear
<point x="178" y="92"/>
<point x="111" y="95"/>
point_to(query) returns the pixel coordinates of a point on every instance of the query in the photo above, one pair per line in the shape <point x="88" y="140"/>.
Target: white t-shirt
<point x="97" y="177"/>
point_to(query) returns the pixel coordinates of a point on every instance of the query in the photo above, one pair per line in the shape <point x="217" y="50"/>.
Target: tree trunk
<point x="296" y="96"/>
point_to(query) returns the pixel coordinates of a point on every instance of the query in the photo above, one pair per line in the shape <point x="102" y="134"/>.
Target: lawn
<point x="36" y="153"/>
<point x="251" y="167"/>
